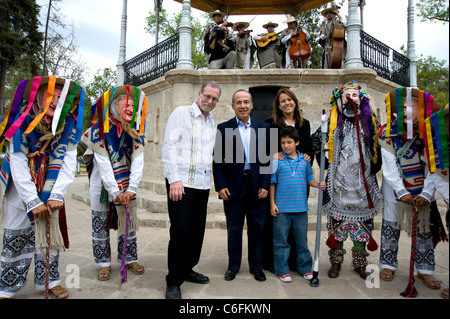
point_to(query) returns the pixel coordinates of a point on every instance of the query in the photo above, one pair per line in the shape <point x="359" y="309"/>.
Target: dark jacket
<point x="228" y="168"/>
<point x="305" y="145"/>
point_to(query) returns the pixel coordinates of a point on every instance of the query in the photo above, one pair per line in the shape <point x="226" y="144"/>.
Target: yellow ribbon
<point x="430" y="146"/>
<point x="388" y="110"/>
<point x="333" y="125"/>
<point x="105" y="105"/>
<point x="143" y="116"/>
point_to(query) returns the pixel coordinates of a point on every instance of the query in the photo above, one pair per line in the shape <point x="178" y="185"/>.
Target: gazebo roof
<point x="239" y="7"/>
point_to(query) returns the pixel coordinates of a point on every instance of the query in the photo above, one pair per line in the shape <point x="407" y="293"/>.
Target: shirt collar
<point x="248" y="124"/>
<point x="198" y="112"/>
<point x="299" y="157"/>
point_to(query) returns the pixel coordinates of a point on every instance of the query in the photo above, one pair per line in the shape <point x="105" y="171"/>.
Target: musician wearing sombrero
<point x="333" y="17"/>
<point x="217" y="18"/>
<point x="290" y="32"/>
<point x="405" y="185"/>
<point x="114" y="158"/>
<point x="244" y="46"/>
<point x="40" y="129"/>
<point x="270" y="51"/>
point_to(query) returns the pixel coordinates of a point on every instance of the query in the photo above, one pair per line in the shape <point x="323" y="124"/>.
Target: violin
<point x="299" y="49"/>
<point x="272" y="36"/>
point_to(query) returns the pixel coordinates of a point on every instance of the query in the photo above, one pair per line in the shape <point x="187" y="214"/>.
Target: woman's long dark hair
<point x="277" y="114"/>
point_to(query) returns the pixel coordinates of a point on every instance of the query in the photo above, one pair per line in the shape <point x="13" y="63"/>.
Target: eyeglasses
<point x="209" y="97"/>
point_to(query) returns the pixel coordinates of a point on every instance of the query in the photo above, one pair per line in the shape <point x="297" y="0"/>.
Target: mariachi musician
<point x="325" y="39"/>
<point x="270" y="50"/>
<point x="244" y="46"/>
<point x="287" y="35"/>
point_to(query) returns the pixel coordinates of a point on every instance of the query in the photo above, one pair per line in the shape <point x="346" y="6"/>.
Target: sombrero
<point x="290" y="19"/>
<point x="236" y="24"/>
<point x="270" y="23"/>
<point x="212" y="14"/>
<point x="332" y="9"/>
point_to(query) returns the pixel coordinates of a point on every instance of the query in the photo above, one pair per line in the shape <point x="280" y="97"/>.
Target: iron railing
<point x="388" y="63"/>
<point x="156" y="61"/>
<point x="152" y="63"/>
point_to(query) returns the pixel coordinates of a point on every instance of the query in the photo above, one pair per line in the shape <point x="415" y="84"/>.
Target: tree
<point x="434" y="10"/>
<point x="169" y="27"/>
<point x="103" y="80"/>
<point x="20" y="39"/>
<point x="312" y="20"/>
<point x="60" y="54"/>
<point x="432" y="76"/>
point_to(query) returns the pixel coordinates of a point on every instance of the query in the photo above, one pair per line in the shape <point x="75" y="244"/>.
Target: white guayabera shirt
<point x="188" y="147"/>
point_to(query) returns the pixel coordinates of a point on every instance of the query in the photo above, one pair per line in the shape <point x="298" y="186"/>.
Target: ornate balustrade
<point x="152" y="63"/>
<point x="156" y="61"/>
<point x="388" y="63"/>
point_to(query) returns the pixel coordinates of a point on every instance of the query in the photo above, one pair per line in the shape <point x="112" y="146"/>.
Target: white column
<point x="185" y="32"/>
<point x="353" y="57"/>
<point x="411" y="46"/>
<point x="123" y="46"/>
<point x="362" y="3"/>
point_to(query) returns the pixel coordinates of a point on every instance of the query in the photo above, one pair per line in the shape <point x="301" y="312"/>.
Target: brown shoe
<point x="334" y="270"/>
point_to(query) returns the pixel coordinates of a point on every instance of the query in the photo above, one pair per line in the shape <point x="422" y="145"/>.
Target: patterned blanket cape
<point x="121" y="151"/>
<point x="45" y="163"/>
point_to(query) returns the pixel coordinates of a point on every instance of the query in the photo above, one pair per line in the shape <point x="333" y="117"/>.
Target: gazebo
<point x="362" y="50"/>
<point x="292" y="7"/>
<point x="179" y="84"/>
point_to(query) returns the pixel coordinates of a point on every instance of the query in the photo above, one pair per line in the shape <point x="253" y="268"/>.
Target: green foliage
<point x="19" y="35"/>
<point x="432" y="76"/>
<point x="103" y="81"/>
<point x="169" y="27"/>
<point x="20" y="39"/>
<point x="434" y="10"/>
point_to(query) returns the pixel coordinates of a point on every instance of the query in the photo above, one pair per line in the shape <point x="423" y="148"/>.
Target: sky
<point x="98" y="22"/>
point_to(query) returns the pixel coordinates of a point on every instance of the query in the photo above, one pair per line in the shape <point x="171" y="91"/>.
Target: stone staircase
<point x="152" y="205"/>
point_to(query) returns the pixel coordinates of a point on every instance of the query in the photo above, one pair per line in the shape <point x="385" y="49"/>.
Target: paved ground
<point x="78" y="271"/>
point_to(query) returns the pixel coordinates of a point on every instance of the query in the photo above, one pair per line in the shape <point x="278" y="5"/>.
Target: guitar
<point x="270" y="37"/>
<point x="299" y="49"/>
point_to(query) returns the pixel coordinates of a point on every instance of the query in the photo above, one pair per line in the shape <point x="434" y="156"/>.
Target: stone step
<point x="152" y="210"/>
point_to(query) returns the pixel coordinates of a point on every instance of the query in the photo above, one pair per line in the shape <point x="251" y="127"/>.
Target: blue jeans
<point x="281" y="249"/>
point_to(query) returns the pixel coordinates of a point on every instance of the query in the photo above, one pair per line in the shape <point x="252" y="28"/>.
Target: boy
<point x="289" y="206"/>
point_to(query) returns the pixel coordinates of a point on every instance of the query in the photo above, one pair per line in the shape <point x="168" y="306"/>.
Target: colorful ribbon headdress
<point x="104" y="106"/>
<point x="28" y="98"/>
<point x="395" y="108"/>
<point x="435" y="132"/>
<point x="337" y="100"/>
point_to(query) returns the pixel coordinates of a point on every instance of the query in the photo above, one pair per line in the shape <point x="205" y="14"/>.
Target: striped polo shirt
<point x="290" y="194"/>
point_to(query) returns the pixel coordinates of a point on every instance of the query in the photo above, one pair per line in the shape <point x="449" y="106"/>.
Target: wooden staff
<point x="411" y="291"/>
<point x="314" y="282"/>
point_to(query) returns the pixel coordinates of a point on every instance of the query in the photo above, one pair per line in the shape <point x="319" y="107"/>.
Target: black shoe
<point x="362" y="272"/>
<point x="230" y="275"/>
<point x="197" y="278"/>
<point x="173" y="292"/>
<point x="259" y="275"/>
<point x="334" y="270"/>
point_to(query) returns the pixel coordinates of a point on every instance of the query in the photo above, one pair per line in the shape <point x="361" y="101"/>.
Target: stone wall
<point x="311" y="86"/>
